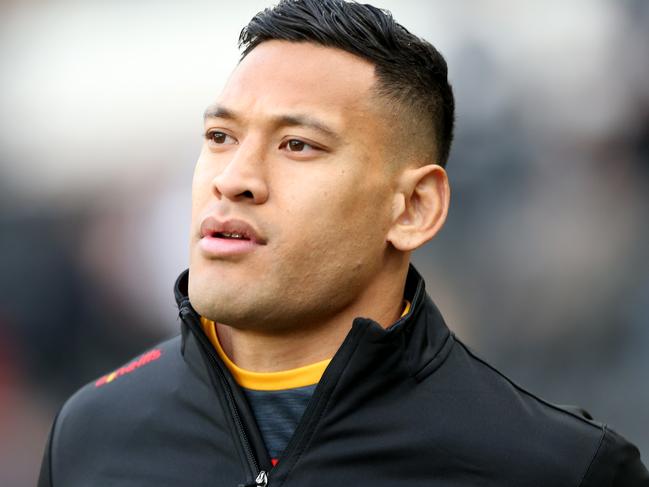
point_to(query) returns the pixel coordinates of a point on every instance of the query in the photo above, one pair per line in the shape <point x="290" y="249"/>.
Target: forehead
<point x="279" y="77"/>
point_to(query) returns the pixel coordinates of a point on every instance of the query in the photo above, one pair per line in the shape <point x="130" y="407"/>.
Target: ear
<point x="420" y="207"/>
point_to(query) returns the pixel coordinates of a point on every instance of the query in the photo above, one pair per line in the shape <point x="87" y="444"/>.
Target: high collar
<point x="420" y="338"/>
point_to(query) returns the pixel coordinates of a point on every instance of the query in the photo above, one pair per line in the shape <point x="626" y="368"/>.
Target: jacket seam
<point x="592" y="460"/>
<point x="437" y="360"/>
<point x="50" y="450"/>
<point x="546" y="403"/>
<point x="526" y="392"/>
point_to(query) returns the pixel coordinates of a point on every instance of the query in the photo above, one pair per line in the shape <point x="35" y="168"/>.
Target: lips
<point x="220" y="239"/>
<point x="230" y="230"/>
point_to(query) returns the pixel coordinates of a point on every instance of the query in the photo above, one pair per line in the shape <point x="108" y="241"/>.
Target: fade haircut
<point x="410" y="72"/>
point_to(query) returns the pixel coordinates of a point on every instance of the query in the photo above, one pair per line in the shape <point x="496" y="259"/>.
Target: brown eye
<point x="220" y="138"/>
<point x="300" y="148"/>
<point x="296" y="145"/>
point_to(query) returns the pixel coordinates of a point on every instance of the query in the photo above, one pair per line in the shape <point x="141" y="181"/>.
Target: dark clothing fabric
<point x="410" y="405"/>
<point x="277" y="414"/>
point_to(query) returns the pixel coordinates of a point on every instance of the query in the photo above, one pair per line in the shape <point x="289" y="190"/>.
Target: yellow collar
<point x="271" y="381"/>
<point x="266" y="381"/>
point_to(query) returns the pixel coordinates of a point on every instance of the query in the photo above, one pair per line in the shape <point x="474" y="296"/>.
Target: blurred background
<point x="543" y="266"/>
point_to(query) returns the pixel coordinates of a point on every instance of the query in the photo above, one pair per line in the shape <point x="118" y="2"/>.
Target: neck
<point x="259" y="351"/>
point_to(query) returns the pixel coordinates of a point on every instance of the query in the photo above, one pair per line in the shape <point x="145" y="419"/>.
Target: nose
<point x="243" y="178"/>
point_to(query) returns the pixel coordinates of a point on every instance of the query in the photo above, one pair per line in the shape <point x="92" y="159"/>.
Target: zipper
<point x="319" y="399"/>
<point x="306" y="425"/>
<point x="187" y="313"/>
<point x="260" y="481"/>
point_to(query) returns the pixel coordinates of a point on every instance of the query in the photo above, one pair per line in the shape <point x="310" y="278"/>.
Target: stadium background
<point x="543" y="266"/>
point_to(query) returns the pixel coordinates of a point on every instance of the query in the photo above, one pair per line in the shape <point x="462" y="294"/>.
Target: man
<point x="309" y="351"/>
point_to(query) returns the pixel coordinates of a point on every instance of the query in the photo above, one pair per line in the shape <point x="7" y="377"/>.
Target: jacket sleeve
<point x="616" y="464"/>
<point x="45" y="476"/>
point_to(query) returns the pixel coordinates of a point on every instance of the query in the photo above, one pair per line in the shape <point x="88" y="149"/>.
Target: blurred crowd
<point x="543" y="266"/>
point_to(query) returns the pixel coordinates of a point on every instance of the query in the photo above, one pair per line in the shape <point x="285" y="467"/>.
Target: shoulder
<point x="143" y="393"/>
<point x="156" y="409"/>
<point x="122" y="392"/>
<point x="616" y="463"/>
<point x="123" y="417"/>
<point x="537" y="438"/>
<point x="96" y="419"/>
<point x="143" y="374"/>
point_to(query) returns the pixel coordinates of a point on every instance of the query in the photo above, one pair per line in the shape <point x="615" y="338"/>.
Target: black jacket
<point x="407" y="406"/>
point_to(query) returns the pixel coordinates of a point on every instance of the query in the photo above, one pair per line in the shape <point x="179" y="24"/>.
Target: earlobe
<point x="420" y="208"/>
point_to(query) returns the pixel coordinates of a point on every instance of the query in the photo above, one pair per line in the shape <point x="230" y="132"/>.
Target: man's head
<point x="321" y="167"/>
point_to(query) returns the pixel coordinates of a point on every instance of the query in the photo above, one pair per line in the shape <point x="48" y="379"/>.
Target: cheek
<point x="201" y="187"/>
<point x="345" y="212"/>
<point x="362" y="204"/>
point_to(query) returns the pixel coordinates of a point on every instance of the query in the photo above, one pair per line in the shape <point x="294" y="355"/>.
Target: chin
<point x="223" y="303"/>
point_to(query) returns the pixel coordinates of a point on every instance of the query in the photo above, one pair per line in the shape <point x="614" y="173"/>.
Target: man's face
<point x="291" y="192"/>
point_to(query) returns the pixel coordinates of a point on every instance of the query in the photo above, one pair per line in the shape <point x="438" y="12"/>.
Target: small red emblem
<point x="148" y="357"/>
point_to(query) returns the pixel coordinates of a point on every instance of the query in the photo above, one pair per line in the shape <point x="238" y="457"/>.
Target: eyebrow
<point x="287" y="120"/>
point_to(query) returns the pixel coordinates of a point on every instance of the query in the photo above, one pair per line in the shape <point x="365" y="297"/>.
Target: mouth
<point x="226" y="238"/>
<point x="230" y="230"/>
<point x="235" y="236"/>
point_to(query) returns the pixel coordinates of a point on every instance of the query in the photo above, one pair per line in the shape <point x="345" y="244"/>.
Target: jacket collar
<point x="421" y="338"/>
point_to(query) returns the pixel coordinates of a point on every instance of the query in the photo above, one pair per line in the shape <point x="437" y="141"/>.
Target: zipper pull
<point x="260" y="481"/>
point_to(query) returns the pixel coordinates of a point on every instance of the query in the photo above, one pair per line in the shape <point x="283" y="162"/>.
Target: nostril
<point x="247" y="194"/>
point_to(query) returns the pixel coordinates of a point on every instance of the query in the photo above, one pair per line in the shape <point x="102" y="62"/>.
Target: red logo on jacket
<point x="148" y="357"/>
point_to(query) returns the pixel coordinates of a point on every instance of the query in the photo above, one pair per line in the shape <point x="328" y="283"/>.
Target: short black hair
<point x="409" y="70"/>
